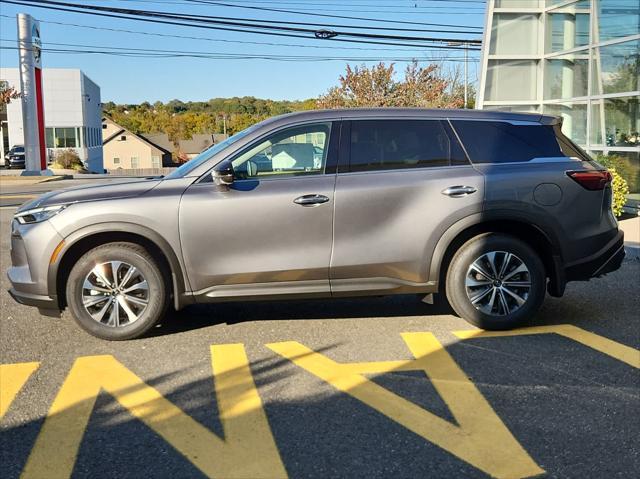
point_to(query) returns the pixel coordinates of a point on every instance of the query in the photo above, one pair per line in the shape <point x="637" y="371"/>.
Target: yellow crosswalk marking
<point x="12" y="378"/>
<point x="623" y="353"/>
<point x="481" y="439"/>
<point x="247" y="451"/>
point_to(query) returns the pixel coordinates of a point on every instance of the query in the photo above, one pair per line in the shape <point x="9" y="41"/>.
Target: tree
<point x="8" y="93"/>
<point x="423" y="87"/>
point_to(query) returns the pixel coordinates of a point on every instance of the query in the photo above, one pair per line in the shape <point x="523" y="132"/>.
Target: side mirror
<point x="222" y="174"/>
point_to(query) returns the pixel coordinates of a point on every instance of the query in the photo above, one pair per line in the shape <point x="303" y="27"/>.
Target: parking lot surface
<point x="375" y="387"/>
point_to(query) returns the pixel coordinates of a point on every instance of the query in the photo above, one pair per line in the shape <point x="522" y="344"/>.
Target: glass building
<point x="579" y="59"/>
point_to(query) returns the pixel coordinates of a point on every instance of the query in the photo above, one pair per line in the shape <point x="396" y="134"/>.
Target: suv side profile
<point x="491" y="209"/>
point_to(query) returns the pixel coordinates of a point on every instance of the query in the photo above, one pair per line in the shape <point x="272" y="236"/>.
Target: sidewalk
<point x="631" y="228"/>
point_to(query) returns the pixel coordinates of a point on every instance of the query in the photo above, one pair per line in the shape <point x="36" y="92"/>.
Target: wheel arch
<point x="525" y="228"/>
<point x="81" y="241"/>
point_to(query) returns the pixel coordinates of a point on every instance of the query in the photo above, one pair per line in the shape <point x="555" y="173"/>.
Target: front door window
<point x="300" y="150"/>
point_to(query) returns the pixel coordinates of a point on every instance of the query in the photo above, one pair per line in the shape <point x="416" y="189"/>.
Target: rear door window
<point x="399" y="144"/>
<point x="501" y="142"/>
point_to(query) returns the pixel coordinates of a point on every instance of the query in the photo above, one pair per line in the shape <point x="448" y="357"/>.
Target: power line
<point x="367" y="19"/>
<point x="193" y="25"/>
<point x="186" y="37"/>
<point x="151" y="53"/>
<point x="257" y="24"/>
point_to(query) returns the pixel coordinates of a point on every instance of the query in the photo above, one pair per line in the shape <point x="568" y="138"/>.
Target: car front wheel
<point x="496" y="281"/>
<point x="116" y="291"/>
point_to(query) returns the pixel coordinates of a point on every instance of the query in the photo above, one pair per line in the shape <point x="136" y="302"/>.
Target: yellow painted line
<point x="481" y="439"/>
<point x="626" y="354"/>
<point x="12" y="379"/>
<point x="247" y="451"/>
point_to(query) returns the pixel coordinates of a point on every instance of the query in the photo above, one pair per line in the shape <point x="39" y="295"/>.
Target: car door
<point x="270" y="232"/>
<point x="404" y="183"/>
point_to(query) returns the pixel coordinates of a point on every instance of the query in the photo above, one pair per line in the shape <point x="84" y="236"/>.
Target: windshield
<point x="18" y="149"/>
<point x="190" y="165"/>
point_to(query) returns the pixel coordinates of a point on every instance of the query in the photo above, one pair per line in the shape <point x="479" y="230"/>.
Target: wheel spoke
<point x="128" y="275"/>
<point x="503" y="301"/>
<point x="94" y="287"/>
<point x="114" y="318"/>
<point x="491" y="257"/>
<point x="115" y="267"/>
<point x="136" y="300"/>
<point x="475" y="266"/>
<point x="100" y="314"/>
<point x="98" y="271"/>
<point x="520" y="269"/>
<point x="130" y="314"/>
<point x="141" y="285"/>
<point x="519" y="299"/>
<point x="505" y="263"/>
<point x="481" y="295"/>
<point x="473" y="283"/>
<point x="92" y="300"/>
<point x="518" y="284"/>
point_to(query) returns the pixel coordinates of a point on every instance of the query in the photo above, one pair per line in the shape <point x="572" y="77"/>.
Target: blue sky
<point x="133" y="80"/>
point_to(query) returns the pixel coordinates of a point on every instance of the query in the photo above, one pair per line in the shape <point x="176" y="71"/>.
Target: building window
<point x="567" y="76"/>
<point x="514" y="33"/>
<point x="48" y="135"/>
<point x="135" y="162"/>
<point x="64" y="138"/>
<point x="511" y="80"/>
<point x="123" y="138"/>
<point x="574" y="119"/>
<point x="155" y="162"/>
<point x="116" y="161"/>
<point x="616" y="68"/>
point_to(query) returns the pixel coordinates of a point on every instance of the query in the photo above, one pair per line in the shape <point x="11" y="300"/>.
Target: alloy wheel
<point x="498" y="283"/>
<point x="115" y="293"/>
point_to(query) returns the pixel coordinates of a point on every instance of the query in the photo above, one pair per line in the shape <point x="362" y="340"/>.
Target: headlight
<point x="36" y="215"/>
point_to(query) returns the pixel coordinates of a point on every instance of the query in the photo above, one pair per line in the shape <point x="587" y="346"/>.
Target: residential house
<point x="187" y="148"/>
<point x="124" y="149"/>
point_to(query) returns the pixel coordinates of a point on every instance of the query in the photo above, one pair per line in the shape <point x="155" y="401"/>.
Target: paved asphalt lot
<point x="563" y="402"/>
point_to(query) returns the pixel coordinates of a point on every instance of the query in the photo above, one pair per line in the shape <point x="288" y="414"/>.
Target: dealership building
<point x="579" y="59"/>
<point x="72" y="115"/>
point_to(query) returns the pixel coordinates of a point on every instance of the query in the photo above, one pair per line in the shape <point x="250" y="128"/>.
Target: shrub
<point x="68" y="159"/>
<point x="618" y="167"/>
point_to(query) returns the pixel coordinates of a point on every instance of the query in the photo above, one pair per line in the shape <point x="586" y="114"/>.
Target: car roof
<point x="376" y="113"/>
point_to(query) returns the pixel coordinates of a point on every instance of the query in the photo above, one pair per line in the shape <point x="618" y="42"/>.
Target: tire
<point x="119" y="312"/>
<point x="503" y="300"/>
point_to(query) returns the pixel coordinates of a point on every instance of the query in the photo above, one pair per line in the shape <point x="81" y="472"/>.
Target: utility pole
<point x="466" y="79"/>
<point x="466" y="68"/>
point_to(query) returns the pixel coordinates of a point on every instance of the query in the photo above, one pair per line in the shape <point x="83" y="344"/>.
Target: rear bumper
<point x="607" y="259"/>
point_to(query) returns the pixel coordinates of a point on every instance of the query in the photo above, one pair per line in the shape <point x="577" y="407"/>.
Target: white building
<point x="72" y="115"/>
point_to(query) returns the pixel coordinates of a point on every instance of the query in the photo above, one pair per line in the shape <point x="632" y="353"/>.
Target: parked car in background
<point x="15" y="158"/>
<point x="491" y="209"/>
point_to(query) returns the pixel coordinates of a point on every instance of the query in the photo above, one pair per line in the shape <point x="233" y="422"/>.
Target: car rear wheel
<point x="116" y="291"/>
<point x="496" y="281"/>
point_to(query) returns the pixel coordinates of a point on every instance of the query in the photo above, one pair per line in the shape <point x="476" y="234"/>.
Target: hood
<point x="80" y="194"/>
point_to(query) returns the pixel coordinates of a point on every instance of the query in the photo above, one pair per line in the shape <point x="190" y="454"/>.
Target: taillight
<point x="591" y="180"/>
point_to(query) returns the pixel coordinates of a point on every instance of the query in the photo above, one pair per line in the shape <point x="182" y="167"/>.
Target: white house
<point x="72" y="115"/>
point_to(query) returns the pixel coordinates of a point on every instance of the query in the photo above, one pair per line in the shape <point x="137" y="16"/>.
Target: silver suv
<point x="493" y="209"/>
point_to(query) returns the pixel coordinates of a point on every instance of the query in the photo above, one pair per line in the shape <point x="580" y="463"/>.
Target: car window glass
<point x="501" y="142"/>
<point x="300" y="150"/>
<point x="396" y="144"/>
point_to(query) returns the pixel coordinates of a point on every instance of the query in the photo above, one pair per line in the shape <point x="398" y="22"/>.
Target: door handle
<point x="310" y="200"/>
<point x="458" y="191"/>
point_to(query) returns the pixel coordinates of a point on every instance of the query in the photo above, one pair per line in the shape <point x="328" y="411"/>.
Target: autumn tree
<point x="8" y="93"/>
<point x="362" y="86"/>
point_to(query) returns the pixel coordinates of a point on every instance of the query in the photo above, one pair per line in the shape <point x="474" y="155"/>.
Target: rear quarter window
<point x="501" y="142"/>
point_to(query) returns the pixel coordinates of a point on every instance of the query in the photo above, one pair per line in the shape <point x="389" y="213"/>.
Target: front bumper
<point x="607" y="259"/>
<point x="39" y="301"/>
